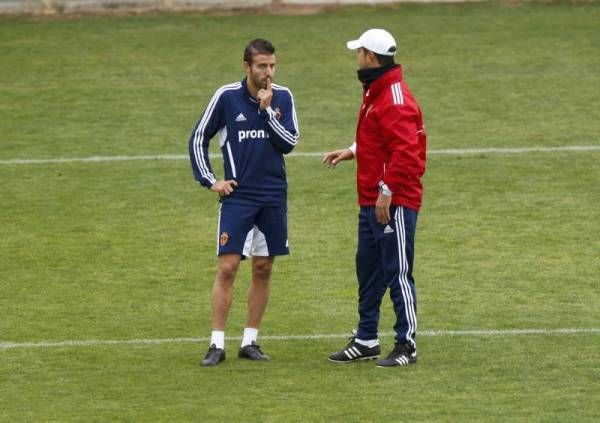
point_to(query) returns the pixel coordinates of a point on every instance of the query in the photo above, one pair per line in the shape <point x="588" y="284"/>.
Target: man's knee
<point x="261" y="269"/>
<point x="227" y="269"/>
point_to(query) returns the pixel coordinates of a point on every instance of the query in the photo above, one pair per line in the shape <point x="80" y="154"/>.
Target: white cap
<point x="376" y="40"/>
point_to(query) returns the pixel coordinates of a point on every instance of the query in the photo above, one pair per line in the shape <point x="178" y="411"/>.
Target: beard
<point x="258" y="82"/>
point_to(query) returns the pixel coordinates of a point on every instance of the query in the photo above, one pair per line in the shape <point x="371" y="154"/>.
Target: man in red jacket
<point x="390" y="154"/>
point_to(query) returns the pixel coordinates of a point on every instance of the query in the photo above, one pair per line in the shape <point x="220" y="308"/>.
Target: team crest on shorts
<point x="223" y="238"/>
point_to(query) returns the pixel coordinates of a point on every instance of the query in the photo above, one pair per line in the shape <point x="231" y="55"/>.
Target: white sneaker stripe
<point x="358" y="353"/>
<point x="402" y="360"/>
<point x="348" y="354"/>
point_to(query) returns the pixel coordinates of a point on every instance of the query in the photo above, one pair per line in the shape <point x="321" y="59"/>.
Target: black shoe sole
<point x="211" y="364"/>
<point x="354" y="360"/>
<point x="247" y="357"/>
<point x="411" y="361"/>
<point x="254" y="359"/>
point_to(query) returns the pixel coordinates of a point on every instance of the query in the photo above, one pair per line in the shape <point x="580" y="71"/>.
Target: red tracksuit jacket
<point x="390" y="142"/>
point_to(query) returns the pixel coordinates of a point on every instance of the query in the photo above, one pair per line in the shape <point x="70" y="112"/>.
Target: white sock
<point x="370" y="343"/>
<point x="250" y="335"/>
<point x="217" y="337"/>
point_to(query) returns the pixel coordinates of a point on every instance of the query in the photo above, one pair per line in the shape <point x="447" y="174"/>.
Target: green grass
<point x="125" y="250"/>
<point x="159" y="383"/>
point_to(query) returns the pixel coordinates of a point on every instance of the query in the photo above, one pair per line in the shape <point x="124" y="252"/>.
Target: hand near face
<point x="265" y="95"/>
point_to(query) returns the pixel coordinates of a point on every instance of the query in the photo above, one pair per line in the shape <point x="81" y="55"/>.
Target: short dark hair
<point x="384" y="60"/>
<point x="257" y="46"/>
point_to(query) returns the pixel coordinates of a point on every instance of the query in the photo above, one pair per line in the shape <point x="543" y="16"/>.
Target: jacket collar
<point x="368" y="75"/>
<point x="381" y="83"/>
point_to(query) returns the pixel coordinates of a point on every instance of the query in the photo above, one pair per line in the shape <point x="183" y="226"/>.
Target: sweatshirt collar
<point x="247" y="94"/>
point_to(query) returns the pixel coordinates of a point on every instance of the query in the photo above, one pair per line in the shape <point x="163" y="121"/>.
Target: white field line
<point x="429" y="333"/>
<point x="448" y="152"/>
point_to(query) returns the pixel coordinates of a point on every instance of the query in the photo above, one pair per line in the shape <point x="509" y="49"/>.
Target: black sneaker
<point x="355" y="352"/>
<point x="253" y="352"/>
<point x="214" y="356"/>
<point x="401" y="355"/>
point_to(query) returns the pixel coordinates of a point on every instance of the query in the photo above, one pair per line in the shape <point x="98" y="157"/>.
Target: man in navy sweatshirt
<point x="256" y="122"/>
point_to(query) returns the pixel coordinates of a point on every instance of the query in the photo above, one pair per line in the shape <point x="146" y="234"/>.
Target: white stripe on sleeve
<point x="201" y="160"/>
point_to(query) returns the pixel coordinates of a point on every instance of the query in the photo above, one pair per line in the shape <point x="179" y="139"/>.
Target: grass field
<point x="124" y="250"/>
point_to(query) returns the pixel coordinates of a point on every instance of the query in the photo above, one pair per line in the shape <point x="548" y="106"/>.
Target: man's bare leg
<point x="258" y="293"/>
<point x="222" y="292"/>
<point x="258" y="297"/>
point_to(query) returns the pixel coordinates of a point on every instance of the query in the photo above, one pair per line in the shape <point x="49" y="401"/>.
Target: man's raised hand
<point x="265" y="95"/>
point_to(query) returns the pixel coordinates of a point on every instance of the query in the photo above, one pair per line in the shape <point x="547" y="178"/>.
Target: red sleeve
<point x="403" y="130"/>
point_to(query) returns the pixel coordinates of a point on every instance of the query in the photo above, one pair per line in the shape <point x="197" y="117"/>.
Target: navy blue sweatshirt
<point x="252" y="141"/>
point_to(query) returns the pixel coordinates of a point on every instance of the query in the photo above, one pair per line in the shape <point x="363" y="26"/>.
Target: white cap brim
<point x="353" y="45"/>
<point x="379" y="41"/>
